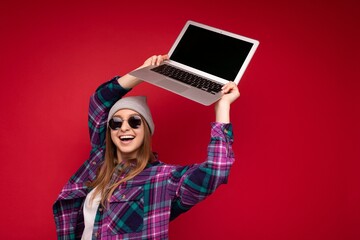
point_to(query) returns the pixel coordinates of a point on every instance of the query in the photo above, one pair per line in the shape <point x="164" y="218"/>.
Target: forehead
<point x="125" y="113"/>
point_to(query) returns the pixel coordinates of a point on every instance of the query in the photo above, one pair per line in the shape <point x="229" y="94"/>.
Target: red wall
<point x="296" y="122"/>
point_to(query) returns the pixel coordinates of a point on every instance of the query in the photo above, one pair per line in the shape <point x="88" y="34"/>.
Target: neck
<point x="124" y="157"/>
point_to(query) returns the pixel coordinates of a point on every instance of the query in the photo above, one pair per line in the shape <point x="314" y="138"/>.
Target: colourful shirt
<point x="142" y="207"/>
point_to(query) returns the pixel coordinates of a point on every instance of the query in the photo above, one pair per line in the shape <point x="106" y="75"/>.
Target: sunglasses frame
<point x="134" y="122"/>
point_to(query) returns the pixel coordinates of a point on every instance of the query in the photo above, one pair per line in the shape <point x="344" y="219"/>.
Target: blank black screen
<point x="211" y="52"/>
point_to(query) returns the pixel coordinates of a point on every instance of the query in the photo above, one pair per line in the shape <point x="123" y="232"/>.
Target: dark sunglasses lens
<point x="134" y="121"/>
<point x="115" y="123"/>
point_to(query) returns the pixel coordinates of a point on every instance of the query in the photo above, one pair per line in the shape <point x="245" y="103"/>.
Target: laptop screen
<point x="211" y="52"/>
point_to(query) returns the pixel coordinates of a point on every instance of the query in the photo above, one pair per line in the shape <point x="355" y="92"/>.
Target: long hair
<point x="105" y="183"/>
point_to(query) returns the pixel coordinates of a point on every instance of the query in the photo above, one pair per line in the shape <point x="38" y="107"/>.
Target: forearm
<point x="100" y="102"/>
<point x="127" y="81"/>
<point x="195" y="183"/>
<point x="222" y="113"/>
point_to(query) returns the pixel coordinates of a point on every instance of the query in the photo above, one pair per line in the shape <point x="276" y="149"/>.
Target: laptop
<point x="201" y="61"/>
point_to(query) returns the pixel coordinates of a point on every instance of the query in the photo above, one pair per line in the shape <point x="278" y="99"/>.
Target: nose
<point x="125" y="126"/>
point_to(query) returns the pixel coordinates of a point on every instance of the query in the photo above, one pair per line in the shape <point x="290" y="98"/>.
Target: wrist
<point x="222" y="105"/>
<point x="129" y="81"/>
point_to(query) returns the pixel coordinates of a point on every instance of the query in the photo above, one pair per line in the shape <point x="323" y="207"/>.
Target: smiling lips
<point x="126" y="138"/>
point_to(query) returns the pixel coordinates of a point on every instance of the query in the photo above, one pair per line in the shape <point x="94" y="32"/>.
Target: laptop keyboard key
<point x="188" y="78"/>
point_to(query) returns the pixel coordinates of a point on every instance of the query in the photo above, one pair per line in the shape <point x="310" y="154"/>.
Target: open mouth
<point x="126" y="138"/>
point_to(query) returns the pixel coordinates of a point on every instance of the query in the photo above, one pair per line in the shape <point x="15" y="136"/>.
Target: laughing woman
<point x="123" y="191"/>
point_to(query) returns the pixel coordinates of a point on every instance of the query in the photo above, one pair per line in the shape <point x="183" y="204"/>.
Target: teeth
<point x="127" y="137"/>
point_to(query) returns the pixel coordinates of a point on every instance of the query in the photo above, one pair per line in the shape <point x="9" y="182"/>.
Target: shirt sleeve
<point x="67" y="208"/>
<point x="191" y="184"/>
<point x="100" y="103"/>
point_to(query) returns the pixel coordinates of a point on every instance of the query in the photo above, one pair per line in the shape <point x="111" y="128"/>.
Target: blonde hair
<point x="105" y="183"/>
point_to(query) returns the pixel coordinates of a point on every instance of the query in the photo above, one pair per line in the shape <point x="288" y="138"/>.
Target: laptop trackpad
<point x="172" y="86"/>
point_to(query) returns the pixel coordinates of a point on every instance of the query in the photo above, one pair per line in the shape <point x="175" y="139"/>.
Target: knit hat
<point x="137" y="104"/>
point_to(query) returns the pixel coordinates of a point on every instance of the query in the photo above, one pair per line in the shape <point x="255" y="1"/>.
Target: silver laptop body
<point x="200" y="54"/>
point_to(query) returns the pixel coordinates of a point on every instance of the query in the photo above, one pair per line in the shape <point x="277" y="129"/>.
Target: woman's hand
<point x="128" y="81"/>
<point x="230" y="93"/>
<point x="155" y="60"/>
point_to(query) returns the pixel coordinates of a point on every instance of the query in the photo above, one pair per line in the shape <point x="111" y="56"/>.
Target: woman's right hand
<point x="128" y="81"/>
<point x="155" y="60"/>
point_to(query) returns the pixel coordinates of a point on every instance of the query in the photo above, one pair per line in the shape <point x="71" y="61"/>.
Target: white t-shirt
<point x="90" y="209"/>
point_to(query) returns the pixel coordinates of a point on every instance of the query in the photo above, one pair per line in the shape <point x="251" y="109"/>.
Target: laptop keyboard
<point x="188" y="78"/>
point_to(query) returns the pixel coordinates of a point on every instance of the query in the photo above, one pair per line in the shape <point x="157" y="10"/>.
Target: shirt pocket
<point x="126" y="211"/>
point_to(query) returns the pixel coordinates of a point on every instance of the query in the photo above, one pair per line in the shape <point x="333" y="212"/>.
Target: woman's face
<point x="127" y="139"/>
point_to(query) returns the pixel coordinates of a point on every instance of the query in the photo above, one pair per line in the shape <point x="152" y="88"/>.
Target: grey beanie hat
<point x="137" y="104"/>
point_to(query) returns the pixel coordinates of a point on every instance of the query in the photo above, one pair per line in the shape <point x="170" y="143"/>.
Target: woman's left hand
<point x="230" y="93"/>
<point x="222" y="107"/>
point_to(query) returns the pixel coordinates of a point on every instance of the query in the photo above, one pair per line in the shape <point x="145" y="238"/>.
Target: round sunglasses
<point x="134" y="122"/>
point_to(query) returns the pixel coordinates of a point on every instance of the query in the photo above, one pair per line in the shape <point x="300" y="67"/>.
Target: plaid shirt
<point x="142" y="207"/>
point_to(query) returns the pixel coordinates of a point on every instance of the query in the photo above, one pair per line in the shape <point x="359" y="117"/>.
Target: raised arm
<point x="106" y="95"/>
<point x="190" y="185"/>
<point x="100" y="103"/>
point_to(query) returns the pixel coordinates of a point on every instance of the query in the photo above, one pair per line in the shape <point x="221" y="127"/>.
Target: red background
<point x="296" y="122"/>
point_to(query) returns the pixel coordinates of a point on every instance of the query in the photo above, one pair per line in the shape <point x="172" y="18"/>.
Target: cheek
<point x="142" y="140"/>
<point x="113" y="136"/>
<point x="141" y="136"/>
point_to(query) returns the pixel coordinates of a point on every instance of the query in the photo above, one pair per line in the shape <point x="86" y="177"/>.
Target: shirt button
<point x="100" y="209"/>
<point x="96" y="234"/>
<point x="123" y="196"/>
<point x="93" y="163"/>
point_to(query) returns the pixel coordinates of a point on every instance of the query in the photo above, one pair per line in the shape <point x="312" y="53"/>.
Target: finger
<point x="153" y="60"/>
<point x="150" y="60"/>
<point x="228" y="87"/>
<point x="159" y="59"/>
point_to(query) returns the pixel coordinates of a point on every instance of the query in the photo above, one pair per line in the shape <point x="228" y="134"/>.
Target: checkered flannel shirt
<point x="142" y="207"/>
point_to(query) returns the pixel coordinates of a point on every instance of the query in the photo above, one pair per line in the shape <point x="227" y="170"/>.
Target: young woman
<point x="123" y="191"/>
